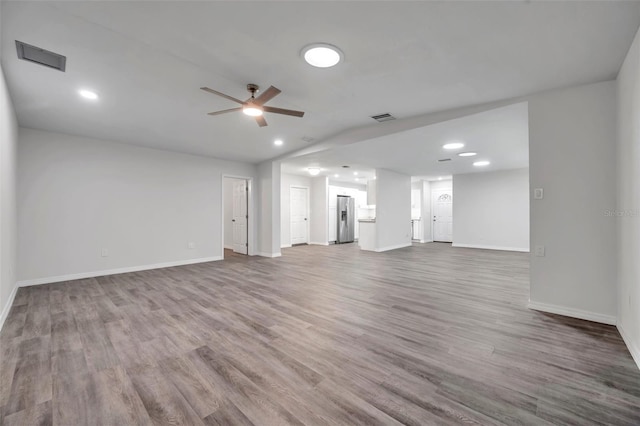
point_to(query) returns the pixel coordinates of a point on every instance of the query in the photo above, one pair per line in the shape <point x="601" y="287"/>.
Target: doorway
<point x="299" y="214"/>
<point x="236" y="214"/>
<point x="442" y="202"/>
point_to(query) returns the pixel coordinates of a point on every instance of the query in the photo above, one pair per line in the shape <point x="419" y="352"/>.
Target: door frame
<point x="433" y="210"/>
<point x="308" y="213"/>
<point x="250" y="213"/>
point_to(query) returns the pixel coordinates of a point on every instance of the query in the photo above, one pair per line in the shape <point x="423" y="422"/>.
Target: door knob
<point x="233" y="220"/>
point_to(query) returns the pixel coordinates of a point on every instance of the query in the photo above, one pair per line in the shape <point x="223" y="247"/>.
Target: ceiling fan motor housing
<point x="253" y="89"/>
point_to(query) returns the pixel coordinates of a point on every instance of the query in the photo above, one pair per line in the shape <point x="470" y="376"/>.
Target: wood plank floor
<point x="425" y="335"/>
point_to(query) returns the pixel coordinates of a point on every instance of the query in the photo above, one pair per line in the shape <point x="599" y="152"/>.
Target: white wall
<point x="286" y="182"/>
<point x="628" y="205"/>
<point x="319" y="233"/>
<point x="426" y="211"/>
<point x="491" y="210"/>
<point x="572" y="157"/>
<point x="8" y="214"/>
<point x="393" y="210"/>
<point x="268" y="209"/>
<point x="78" y="195"/>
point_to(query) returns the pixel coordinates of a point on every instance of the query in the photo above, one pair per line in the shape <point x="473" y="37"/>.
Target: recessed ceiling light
<point x="355" y="173"/>
<point x="357" y="179"/>
<point x="467" y="154"/>
<point x="322" y="55"/>
<point x="440" y="178"/>
<point x="278" y="142"/>
<point x="453" y="145"/>
<point x="314" y="171"/>
<point x="336" y="176"/>
<point x="88" y="94"/>
<point x="375" y="177"/>
<point x="481" y="163"/>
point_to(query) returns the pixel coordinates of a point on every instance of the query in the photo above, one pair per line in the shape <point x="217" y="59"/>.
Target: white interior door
<point x="442" y="201"/>
<point x="299" y="215"/>
<point x="240" y="218"/>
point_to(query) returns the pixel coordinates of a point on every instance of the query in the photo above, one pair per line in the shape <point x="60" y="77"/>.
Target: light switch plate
<point x="538" y="193"/>
<point x="539" y="251"/>
<point x="104" y="252"/>
<point x="191" y="245"/>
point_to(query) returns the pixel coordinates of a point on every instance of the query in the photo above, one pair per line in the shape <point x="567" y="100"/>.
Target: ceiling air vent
<point x="383" y="117"/>
<point x="41" y="56"/>
<point x="444" y="159"/>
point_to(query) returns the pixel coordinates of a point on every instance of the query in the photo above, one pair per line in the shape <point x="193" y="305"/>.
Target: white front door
<point x="240" y="216"/>
<point x="442" y="200"/>
<point x="299" y="215"/>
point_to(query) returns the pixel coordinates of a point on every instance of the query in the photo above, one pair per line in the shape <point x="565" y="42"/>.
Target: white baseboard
<point x="633" y="349"/>
<point x="318" y="243"/>
<point x="7" y="306"/>
<point x="485" y="247"/>
<point x="572" y="312"/>
<point x="285" y="246"/>
<point x="59" y="278"/>
<point x="397" y="246"/>
<point x="229" y="247"/>
<point x="265" y="254"/>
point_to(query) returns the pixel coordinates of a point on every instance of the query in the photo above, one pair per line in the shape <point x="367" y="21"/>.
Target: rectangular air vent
<point x="444" y="159"/>
<point x="383" y="117"/>
<point x="41" y="56"/>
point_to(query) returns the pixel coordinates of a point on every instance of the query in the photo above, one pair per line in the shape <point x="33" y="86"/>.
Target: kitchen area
<point x="378" y="210"/>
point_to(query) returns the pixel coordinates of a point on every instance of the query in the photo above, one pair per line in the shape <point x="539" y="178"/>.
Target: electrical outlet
<point x="538" y="194"/>
<point x="539" y="251"/>
<point x="191" y="245"/>
<point x="104" y="252"/>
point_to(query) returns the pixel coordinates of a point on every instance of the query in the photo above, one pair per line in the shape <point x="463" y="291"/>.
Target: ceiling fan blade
<point x="215" y="92"/>
<point x="261" y="121"/>
<point x="283" y="111"/>
<point x="224" y="111"/>
<point x="267" y="95"/>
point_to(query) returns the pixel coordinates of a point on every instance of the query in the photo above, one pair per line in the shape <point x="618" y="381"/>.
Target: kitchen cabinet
<point x="417" y="227"/>
<point x="367" y="239"/>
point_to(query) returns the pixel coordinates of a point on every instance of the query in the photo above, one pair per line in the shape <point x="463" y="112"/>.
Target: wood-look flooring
<point x="424" y="335"/>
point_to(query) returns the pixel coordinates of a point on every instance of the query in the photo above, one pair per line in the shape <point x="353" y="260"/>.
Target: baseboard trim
<point x="633" y="349"/>
<point x="265" y="254"/>
<point x="7" y="306"/>
<point x="572" y="312"/>
<point x="285" y="246"/>
<point x="397" y="246"/>
<point x="228" y="247"/>
<point x="318" y="243"/>
<point x="484" y="247"/>
<point x="82" y="275"/>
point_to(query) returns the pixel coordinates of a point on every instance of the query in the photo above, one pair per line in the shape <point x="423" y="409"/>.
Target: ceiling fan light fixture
<point x="314" y="171"/>
<point x="252" y="110"/>
<point x="322" y="55"/>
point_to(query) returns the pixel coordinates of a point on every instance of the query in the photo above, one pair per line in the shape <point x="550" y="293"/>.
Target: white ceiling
<point x="500" y="136"/>
<point x="148" y="59"/>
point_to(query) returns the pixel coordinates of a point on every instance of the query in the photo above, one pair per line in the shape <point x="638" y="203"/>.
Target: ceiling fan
<point x="253" y="106"/>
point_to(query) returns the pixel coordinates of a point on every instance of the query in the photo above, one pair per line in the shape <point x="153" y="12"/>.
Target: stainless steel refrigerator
<point x="346" y="220"/>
